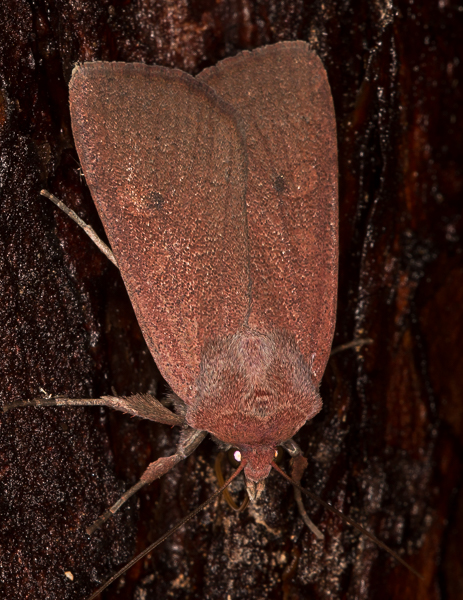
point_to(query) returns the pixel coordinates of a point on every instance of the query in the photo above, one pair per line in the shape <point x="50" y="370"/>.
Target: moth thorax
<point x="254" y="389"/>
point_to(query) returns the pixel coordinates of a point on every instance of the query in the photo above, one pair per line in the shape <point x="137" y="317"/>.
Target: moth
<point x="218" y="194"/>
<point x="219" y="198"/>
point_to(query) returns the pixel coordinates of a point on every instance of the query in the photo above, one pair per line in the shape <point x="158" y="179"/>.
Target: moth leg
<point x="138" y="405"/>
<point x="358" y="343"/>
<point x="88" y="230"/>
<point x="298" y="466"/>
<point x="221" y="481"/>
<point x="189" y="441"/>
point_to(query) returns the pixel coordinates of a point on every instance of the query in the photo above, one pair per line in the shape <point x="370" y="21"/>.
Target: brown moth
<point x="218" y="194"/>
<point x="219" y="198"/>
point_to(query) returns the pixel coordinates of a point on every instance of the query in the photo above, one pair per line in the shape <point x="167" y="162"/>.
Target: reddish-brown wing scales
<point x="283" y="97"/>
<point x="171" y="166"/>
<point x="219" y="197"/>
<point x="165" y="160"/>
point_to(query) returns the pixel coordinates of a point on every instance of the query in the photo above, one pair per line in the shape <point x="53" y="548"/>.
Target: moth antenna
<point x="168" y="533"/>
<point x="88" y="230"/>
<point x="348" y="520"/>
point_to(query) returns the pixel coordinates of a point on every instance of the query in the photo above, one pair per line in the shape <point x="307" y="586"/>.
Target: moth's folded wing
<point x="165" y="161"/>
<point x="283" y="97"/>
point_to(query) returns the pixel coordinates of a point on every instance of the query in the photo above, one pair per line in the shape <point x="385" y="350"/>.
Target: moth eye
<point x="279" y="453"/>
<point x="234" y="457"/>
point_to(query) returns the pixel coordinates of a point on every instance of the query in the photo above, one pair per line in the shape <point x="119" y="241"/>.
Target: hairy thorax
<point x="254" y="391"/>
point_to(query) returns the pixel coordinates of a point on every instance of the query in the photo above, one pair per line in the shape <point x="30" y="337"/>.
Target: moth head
<point x="257" y="466"/>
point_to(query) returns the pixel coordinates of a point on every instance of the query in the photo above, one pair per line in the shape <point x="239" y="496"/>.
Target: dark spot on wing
<point x="156" y="200"/>
<point x="279" y="184"/>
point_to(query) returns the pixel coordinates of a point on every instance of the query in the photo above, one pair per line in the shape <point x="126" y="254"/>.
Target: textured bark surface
<point x="386" y="448"/>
